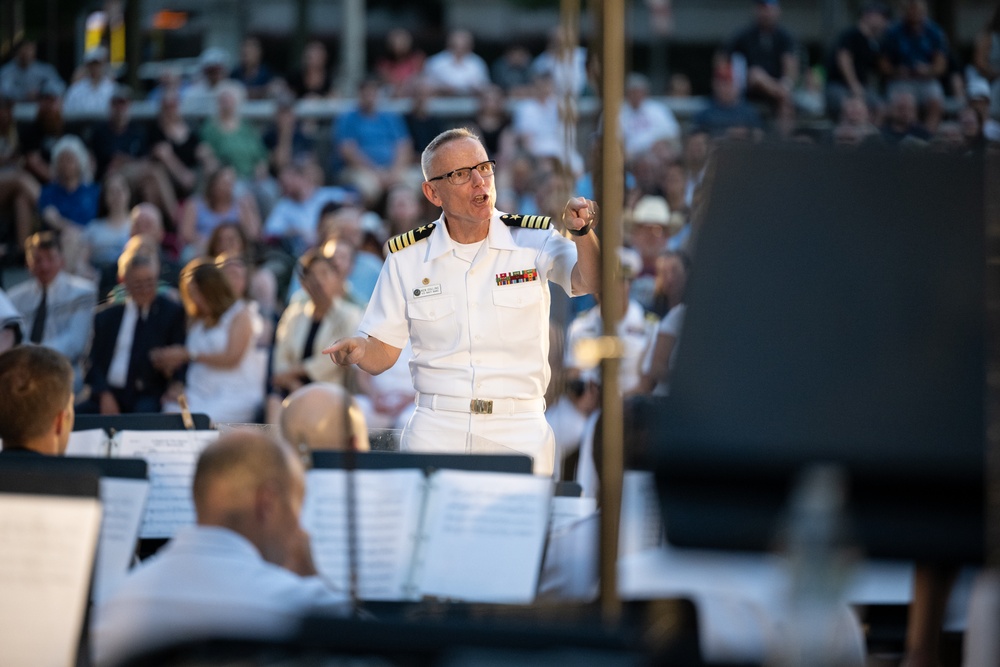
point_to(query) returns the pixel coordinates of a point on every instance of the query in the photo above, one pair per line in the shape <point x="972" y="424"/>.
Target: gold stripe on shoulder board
<point x="407" y="239"/>
<point x="527" y="221"/>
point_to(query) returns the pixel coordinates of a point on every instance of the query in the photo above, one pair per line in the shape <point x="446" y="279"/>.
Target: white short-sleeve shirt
<point x="479" y="329"/>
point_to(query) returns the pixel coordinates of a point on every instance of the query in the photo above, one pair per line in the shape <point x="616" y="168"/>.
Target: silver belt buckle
<point x="479" y="406"/>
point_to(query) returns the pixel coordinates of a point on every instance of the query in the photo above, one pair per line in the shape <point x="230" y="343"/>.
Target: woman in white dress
<point x="225" y="378"/>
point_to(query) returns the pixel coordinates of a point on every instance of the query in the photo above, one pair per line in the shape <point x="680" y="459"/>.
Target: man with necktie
<point x="120" y="375"/>
<point x="57" y="307"/>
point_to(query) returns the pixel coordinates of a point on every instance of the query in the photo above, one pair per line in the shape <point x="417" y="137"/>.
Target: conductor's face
<point x="470" y="202"/>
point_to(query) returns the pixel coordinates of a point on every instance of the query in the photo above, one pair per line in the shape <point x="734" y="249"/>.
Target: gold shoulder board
<point x="527" y="221"/>
<point x="406" y="239"/>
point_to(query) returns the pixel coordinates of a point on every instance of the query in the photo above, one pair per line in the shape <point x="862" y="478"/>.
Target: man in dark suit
<point x="120" y="374"/>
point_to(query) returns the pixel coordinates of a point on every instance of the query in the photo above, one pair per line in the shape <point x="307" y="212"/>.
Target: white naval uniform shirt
<point x="475" y="332"/>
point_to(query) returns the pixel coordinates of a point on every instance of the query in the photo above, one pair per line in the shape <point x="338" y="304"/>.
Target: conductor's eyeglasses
<point x="462" y="176"/>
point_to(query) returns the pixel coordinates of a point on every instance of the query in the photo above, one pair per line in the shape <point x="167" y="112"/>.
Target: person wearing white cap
<point x="213" y="68"/>
<point x="91" y="94"/>
<point x="652" y="225"/>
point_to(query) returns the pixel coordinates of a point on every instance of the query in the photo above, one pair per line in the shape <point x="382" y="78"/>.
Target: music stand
<point x="393" y="460"/>
<point x="140" y="421"/>
<point x="835" y="314"/>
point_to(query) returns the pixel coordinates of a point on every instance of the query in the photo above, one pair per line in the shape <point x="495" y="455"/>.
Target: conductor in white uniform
<point x="470" y="292"/>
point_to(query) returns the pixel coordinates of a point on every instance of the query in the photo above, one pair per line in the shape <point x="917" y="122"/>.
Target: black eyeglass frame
<point x="493" y="169"/>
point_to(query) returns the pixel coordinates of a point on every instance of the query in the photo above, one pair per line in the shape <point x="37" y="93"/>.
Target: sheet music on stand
<point x="49" y="526"/>
<point x="473" y="536"/>
<point x="124" y="502"/>
<point x="171" y="456"/>
<point x="93" y="442"/>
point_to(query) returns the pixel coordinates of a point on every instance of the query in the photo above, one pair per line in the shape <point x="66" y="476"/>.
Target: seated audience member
<point x="322" y="416"/>
<point x="672" y="281"/>
<point x="387" y="399"/>
<point x="36" y="401"/>
<point x="24" y="76"/>
<point x="91" y="93"/>
<point x="542" y="129"/>
<point x="147" y="220"/>
<point x="372" y="149"/>
<point x="226" y="374"/>
<point x="307" y="325"/>
<point x="492" y="121"/>
<point x="422" y="125"/>
<point x="251" y="71"/>
<point x="770" y="55"/>
<point x="855" y="124"/>
<point x="201" y="94"/>
<point x="635" y="329"/>
<point x="120" y="140"/>
<point x="403" y="209"/>
<point x="57" y="307"/>
<point x="673" y="186"/>
<point x="244" y="571"/>
<point x="105" y="237"/>
<point x="19" y="190"/>
<point x="233" y="141"/>
<point x="122" y="144"/>
<point x="40" y="135"/>
<point x="69" y="200"/>
<point x="290" y="138"/>
<point x="511" y="72"/>
<point x="727" y="113"/>
<point x="401" y="64"/>
<point x="647" y="125"/>
<point x="120" y="370"/>
<point x="229" y="244"/>
<point x="853" y="65"/>
<point x="457" y="70"/>
<point x="345" y="227"/>
<point x="568" y="415"/>
<point x="902" y="120"/>
<point x="234" y="267"/>
<point x="11" y="323"/>
<point x="312" y="79"/>
<point x="652" y="225"/>
<point x="914" y="58"/>
<point x="294" y="217"/>
<point x="220" y="203"/>
<point x="565" y="60"/>
<point x="175" y="144"/>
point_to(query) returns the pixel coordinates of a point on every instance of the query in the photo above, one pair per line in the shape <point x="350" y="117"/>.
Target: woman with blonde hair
<point x="226" y="373"/>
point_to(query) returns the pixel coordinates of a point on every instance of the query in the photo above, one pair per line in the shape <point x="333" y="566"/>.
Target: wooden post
<point x="612" y="21"/>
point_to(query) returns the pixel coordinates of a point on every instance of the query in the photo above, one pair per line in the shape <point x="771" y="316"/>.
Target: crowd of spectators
<point x="269" y="235"/>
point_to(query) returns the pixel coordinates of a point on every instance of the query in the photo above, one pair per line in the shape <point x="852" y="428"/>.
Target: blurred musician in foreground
<point x="244" y="571"/>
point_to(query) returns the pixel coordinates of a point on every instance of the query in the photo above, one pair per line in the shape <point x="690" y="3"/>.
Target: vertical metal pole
<point x="612" y="188"/>
<point x="133" y="43"/>
<point x="52" y="33"/>
<point x="352" y="47"/>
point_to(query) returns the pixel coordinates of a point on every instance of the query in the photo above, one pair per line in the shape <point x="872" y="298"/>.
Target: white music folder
<point x="49" y="526"/>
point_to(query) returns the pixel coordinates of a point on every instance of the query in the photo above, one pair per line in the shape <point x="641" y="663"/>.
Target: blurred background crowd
<point x="255" y="239"/>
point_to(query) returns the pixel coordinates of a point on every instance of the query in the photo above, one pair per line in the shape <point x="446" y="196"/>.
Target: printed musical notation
<point x="171" y="456"/>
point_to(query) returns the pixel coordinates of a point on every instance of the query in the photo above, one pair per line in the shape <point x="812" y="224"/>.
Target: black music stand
<point x="836" y="313"/>
<point x="511" y="463"/>
<point x="140" y="421"/>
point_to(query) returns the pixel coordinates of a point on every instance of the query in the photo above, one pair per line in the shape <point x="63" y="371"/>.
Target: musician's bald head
<point x="253" y="485"/>
<point x="322" y="415"/>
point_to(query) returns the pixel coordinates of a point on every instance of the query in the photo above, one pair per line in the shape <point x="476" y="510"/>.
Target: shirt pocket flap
<point x="517" y="297"/>
<point x="428" y="310"/>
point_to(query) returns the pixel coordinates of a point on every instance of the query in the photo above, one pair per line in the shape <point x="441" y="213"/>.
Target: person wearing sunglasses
<point x="470" y="293"/>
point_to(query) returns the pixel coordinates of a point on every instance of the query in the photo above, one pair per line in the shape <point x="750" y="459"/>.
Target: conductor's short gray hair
<point x="440" y="140"/>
